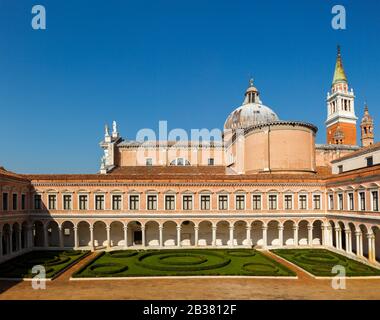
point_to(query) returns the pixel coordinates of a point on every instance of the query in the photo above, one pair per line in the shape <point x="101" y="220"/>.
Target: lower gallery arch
<point x="6" y="239"/>
<point x="38" y="234"/>
<point x="187" y="233"/>
<point x="152" y="233"/>
<point x="24" y="235"/>
<point x="205" y="233"/>
<point x="116" y="234"/>
<point x="364" y="232"/>
<point x="376" y="232"/>
<point x="15" y="236"/>
<point x="289" y="233"/>
<point x="240" y="233"/>
<point x="134" y="233"/>
<point x="222" y="233"/>
<point x="169" y="234"/>
<point x="84" y="237"/>
<point x="317" y="232"/>
<point x="53" y="234"/>
<point x="273" y="233"/>
<point x="257" y="233"/>
<point x="352" y="228"/>
<point x="342" y="227"/>
<point x="68" y="234"/>
<point x="100" y="234"/>
<point x="303" y="233"/>
<point x="332" y="233"/>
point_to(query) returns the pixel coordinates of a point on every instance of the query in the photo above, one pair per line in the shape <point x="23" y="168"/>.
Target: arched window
<point x="180" y="162"/>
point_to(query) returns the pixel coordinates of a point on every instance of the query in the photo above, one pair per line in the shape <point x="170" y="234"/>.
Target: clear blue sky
<point x="187" y="62"/>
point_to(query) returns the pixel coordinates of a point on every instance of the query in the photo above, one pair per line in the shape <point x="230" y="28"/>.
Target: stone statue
<point x="107" y="133"/>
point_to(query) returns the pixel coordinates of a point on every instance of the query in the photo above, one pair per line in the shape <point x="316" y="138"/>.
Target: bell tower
<point x="341" y="118"/>
<point x="366" y="126"/>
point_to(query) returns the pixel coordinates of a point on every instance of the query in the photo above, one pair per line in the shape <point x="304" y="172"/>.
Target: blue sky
<point x="187" y="62"/>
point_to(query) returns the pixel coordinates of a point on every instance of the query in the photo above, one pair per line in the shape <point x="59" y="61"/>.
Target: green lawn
<point x="132" y="263"/>
<point x="53" y="261"/>
<point x="320" y="262"/>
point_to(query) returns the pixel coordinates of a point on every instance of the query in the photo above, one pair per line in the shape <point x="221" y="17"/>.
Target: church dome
<point x="251" y="113"/>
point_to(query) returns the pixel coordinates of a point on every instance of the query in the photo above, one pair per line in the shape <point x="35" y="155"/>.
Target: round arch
<point x="205" y="233"/>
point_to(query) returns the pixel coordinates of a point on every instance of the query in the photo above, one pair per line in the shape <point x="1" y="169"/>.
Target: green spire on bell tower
<point x="339" y="74"/>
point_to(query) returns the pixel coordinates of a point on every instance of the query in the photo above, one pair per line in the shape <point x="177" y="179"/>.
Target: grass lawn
<point x="320" y="262"/>
<point x="132" y="263"/>
<point x="53" y="261"/>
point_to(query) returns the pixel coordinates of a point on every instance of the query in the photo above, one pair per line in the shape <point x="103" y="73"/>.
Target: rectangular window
<point x="5" y="201"/>
<point x="211" y="161"/>
<point x="340" y="169"/>
<point x="83" y="202"/>
<point x="240" y="202"/>
<point x="134" y="202"/>
<point x="52" y="201"/>
<point x="256" y="202"/>
<point x="340" y="200"/>
<point x="152" y="202"/>
<point x="351" y="201"/>
<point x="331" y="201"/>
<point x="116" y="202"/>
<point x="288" y="202"/>
<point x="272" y="202"/>
<point x="205" y="202"/>
<point x="23" y="202"/>
<point x="369" y="161"/>
<point x="14" y="201"/>
<point x="303" y="201"/>
<point x="148" y="162"/>
<point x="362" y="200"/>
<point x="99" y="202"/>
<point x="317" y="202"/>
<point x="37" y="202"/>
<point x="375" y="201"/>
<point x="67" y="202"/>
<point x="169" y="202"/>
<point x="187" y="202"/>
<point x="223" y="202"/>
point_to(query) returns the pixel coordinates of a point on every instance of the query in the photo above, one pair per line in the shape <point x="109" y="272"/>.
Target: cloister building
<point x="266" y="185"/>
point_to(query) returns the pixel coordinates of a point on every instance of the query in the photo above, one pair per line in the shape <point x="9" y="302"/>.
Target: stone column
<point x="60" y="229"/>
<point x="371" y="247"/>
<point x="213" y="236"/>
<point x="19" y="246"/>
<point x="265" y="236"/>
<point x="232" y="228"/>
<point x="143" y="235"/>
<point x="281" y="235"/>
<point x="295" y="235"/>
<point x="196" y="230"/>
<point x="347" y="233"/>
<point x="92" y="238"/>
<point x="248" y="236"/>
<point x="178" y="236"/>
<point x="310" y="235"/>
<point x="76" y="242"/>
<point x="10" y="242"/>
<point x="46" y="237"/>
<point x="161" y="238"/>
<point x="337" y="238"/>
<point x="359" y="243"/>
<point x="324" y="235"/>
<point x="108" y="228"/>
<point x="125" y="227"/>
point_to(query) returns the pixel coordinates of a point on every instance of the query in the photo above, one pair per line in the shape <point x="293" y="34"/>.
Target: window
<point x="256" y="202"/>
<point x="362" y="200"/>
<point x="99" y="202"/>
<point x="148" y="162"/>
<point x="180" y="162"/>
<point x="375" y="201"/>
<point x="351" y="201"/>
<point x="116" y="202"/>
<point x="14" y="201"/>
<point x="152" y="202"/>
<point x="211" y="161"/>
<point x="187" y="202"/>
<point x="52" y="200"/>
<point x="205" y="202"/>
<point x="223" y="202"/>
<point x="37" y="202"/>
<point x="369" y="161"/>
<point x="317" y="202"/>
<point x="134" y="202"/>
<point x="340" y="200"/>
<point x="240" y="202"/>
<point x="5" y="201"/>
<point x="331" y="202"/>
<point x="67" y="202"/>
<point x="23" y="202"/>
<point x="288" y="202"/>
<point x="303" y="201"/>
<point x="272" y="202"/>
<point x="340" y="169"/>
<point x="83" y="202"/>
<point x="169" y="202"/>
